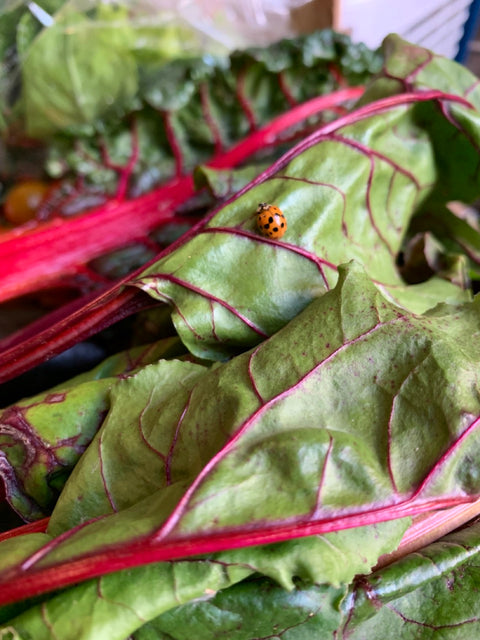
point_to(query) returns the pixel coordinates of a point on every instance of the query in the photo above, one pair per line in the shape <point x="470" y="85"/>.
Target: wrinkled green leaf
<point x="360" y="387"/>
<point x="114" y="606"/>
<point x="429" y="594"/>
<point x="186" y="99"/>
<point x="147" y="592"/>
<point x="43" y="437"/>
<point x="70" y="79"/>
<point x="348" y="191"/>
<point x="252" y="609"/>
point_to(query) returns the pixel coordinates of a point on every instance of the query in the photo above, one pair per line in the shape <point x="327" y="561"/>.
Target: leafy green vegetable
<point x="429" y="594"/>
<point x="300" y="459"/>
<point x="253" y="609"/>
<point x="43" y="437"/>
<point x="182" y="460"/>
<point x="70" y="80"/>
<point x="123" y="82"/>
<point x="348" y="191"/>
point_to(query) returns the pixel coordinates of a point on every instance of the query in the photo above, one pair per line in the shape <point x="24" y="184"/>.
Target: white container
<point x="435" y="24"/>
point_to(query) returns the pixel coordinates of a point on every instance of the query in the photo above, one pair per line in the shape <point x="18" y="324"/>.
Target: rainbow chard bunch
<point x="315" y="416"/>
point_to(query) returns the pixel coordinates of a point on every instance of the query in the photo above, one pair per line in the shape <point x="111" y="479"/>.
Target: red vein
<point x="372" y="153"/>
<point x="430" y="477"/>
<point x="317" y="506"/>
<point x="205" y="294"/>
<point x="142" y="433"/>
<point x="435" y="627"/>
<point x="54" y="543"/>
<point x="329" y="185"/>
<point x="319" y="262"/>
<point x="182" y="506"/>
<point x="411" y="76"/>
<point x="173" y="142"/>
<point x="102" y="474"/>
<point x="472" y="87"/>
<point x="124" y="171"/>
<point x="146" y="549"/>
<point x="208" y="116"/>
<point x="168" y="461"/>
<point x="285" y="89"/>
<point x="252" y="377"/>
<point x="242" y="99"/>
<point x="371" y="217"/>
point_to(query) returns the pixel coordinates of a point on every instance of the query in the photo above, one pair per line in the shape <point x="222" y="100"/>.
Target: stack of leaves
<point x="243" y="479"/>
<point x="119" y="121"/>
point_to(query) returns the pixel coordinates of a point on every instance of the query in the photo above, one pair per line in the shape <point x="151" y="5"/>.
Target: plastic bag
<point x="226" y="23"/>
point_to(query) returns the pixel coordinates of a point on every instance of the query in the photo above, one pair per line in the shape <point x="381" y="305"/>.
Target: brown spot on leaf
<point x="55" y="397"/>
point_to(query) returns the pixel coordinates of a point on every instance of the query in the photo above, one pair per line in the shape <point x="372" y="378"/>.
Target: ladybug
<point x="270" y="220"/>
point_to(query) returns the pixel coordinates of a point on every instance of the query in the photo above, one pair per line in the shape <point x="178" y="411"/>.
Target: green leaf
<point x="252" y="609"/>
<point x="223" y="183"/>
<point x="70" y="79"/>
<point x="116" y="605"/>
<point x="188" y="99"/>
<point x="334" y="193"/>
<point x="429" y="594"/>
<point x="348" y="191"/>
<point x="43" y="437"/>
<point x="182" y="461"/>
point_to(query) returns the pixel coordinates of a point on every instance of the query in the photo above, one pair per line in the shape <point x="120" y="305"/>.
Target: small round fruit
<point x="270" y="221"/>
<point x="23" y="200"/>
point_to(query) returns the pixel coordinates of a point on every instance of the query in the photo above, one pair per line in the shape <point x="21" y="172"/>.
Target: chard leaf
<point x="429" y="594"/>
<point x="187" y="101"/>
<point x="70" y="79"/>
<point x="116" y="605"/>
<point x="253" y="609"/>
<point x="349" y="191"/>
<point x="242" y="457"/>
<point x="223" y="183"/>
<point x="43" y="437"/>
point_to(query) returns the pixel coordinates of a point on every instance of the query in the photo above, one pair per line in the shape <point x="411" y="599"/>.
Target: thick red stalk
<point x="92" y="317"/>
<point x="28" y="581"/>
<point x="37" y="257"/>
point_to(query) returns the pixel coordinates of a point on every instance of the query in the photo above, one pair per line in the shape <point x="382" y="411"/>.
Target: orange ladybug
<point x="270" y="220"/>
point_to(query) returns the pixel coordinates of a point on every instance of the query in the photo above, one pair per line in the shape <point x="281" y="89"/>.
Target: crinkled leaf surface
<point x="188" y="101"/>
<point x="41" y="438"/>
<point x="243" y="456"/>
<point x="253" y="609"/>
<point x="429" y="594"/>
<point x="348" y="191"/>
<point x="114" y="606"/>
<point x="117" y="604"/>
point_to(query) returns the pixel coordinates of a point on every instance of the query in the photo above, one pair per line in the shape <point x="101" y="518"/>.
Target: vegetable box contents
<point x="247" y="477"/>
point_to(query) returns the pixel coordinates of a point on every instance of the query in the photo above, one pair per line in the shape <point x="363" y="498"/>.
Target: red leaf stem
<point x="39" y="526"/>
<point x="32" y="581"/>
<point x="35" y="257"/>
<point x="80" y="325"/>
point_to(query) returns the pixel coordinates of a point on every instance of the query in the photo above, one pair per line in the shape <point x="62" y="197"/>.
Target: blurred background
<point x="448" y="27"/>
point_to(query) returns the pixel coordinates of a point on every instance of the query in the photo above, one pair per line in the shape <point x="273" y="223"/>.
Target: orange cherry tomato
<point x="23" y="200"/>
